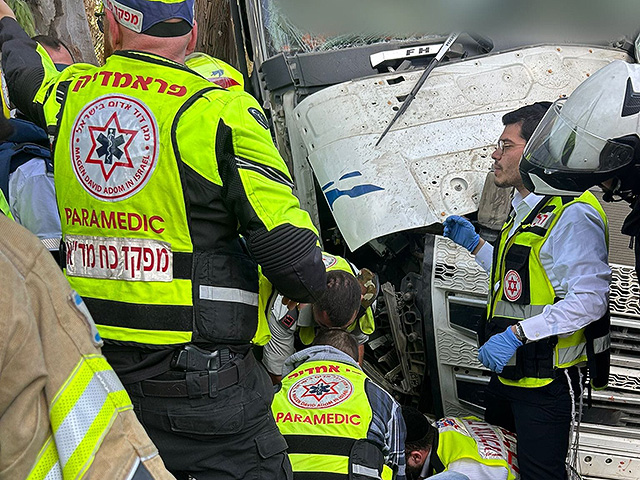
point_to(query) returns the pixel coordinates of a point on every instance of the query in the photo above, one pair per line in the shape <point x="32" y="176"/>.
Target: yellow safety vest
<point x="471" y="438"/>
<point x="322" y="410"/>
<point x="521" y="289"/>
<point x="124" y="209"/>
<point x="366" y="322"/>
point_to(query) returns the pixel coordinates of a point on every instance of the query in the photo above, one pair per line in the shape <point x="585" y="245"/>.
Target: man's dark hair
<point x="341" y="299"/>
<point x="421" y="435"/>
<point x="338" y="338"/>
<point x="528" y="117"/>
<point x="52" y="42"/>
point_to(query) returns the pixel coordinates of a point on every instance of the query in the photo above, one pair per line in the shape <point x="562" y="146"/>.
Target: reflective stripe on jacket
<point x="81" y="413"/>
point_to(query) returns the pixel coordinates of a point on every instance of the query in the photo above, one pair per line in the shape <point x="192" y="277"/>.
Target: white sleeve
<point x="484" y="257"/>
<point x="478" y="471"/>
<point x="282" y="343"/>
<point x="575" y="258"/>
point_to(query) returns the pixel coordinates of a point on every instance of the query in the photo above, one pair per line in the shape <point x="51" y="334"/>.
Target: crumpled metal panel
<point x="434" y="160"/>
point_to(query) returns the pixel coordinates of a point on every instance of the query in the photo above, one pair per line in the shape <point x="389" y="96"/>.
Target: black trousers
<point x="541" y="418"/>
<point x="231" y="436"/>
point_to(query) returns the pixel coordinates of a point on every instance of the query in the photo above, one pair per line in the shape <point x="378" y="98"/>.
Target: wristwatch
<point x="520" y="333"/>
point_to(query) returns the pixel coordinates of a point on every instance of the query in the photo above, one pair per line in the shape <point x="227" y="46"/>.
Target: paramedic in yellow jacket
<point x="337" y="422"/>
<point x="157" y="173"/>
<point x="458" y="448"/>
<point x="63" y="411"/>
<point x="284" y="324"/>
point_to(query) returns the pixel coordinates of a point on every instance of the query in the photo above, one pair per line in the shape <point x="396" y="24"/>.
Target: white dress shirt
<point x="575" y="258"/>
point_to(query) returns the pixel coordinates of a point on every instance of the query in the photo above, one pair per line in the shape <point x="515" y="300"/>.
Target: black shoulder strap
<point x="436" y="463"/>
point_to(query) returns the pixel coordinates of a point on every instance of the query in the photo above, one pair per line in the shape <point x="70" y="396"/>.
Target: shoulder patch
<point x="543" y="220"/>
<point x="259" y="116"/>
<point x="328" y="260"/>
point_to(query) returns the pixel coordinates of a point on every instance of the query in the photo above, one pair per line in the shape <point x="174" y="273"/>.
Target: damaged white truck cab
<point x="329" y="99"/>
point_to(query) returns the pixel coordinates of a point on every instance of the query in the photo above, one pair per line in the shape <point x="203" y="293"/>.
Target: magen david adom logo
<point x="323" y="390"/>
<point x="114" y="147"/>
<point x="512" y="285"/>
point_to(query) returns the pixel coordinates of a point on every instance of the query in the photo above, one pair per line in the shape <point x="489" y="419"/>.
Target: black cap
<point x="418" y="426"/>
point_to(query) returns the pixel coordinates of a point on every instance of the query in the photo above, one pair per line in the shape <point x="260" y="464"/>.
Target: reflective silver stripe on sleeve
<point x="366" y="471"/>
<point x="226" y="294"/>
<point x="513" y="310"/>
<point x="55" y="473"/>
<point x="78" y="421"/>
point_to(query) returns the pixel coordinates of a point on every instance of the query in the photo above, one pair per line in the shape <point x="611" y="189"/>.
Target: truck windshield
<point x="288" y="31"/>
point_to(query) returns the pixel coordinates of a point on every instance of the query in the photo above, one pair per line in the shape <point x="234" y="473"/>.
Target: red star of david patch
<point x="110" y="146"/>
<point x="319" y="389"/>
<point x="512" y="285"/>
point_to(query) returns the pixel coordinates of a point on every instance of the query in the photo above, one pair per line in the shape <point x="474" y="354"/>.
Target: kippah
<point x="417" y="424"/>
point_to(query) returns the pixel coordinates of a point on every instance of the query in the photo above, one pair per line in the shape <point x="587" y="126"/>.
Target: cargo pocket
<point x="274" y="461"/>
<point x="221" y="421"/>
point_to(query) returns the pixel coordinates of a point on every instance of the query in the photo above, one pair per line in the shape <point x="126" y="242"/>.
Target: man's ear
<point x="321" y="317"/>
<point x="115" y="35"/>
<point x="191" y="46"/>
<point x="416" y="458"/>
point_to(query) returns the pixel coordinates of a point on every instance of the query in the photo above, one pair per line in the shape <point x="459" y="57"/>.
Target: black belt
<point x="197" y="384"/>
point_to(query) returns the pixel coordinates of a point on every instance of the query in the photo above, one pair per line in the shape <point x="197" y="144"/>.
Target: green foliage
<point x="23" y="16"/>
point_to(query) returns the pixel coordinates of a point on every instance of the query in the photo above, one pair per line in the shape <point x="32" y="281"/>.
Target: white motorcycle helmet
<point x="588" y="138"/>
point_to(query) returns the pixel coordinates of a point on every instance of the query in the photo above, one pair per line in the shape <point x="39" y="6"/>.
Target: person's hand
<point x="498" y="350"/>
<point x="5" y="10"/>
<point x="291" y="304"/>
<point x="461" y="231"/>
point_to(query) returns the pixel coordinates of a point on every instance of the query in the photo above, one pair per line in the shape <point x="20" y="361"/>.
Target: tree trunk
<point x="215" y="30"/>
<point x="67" y="21"/>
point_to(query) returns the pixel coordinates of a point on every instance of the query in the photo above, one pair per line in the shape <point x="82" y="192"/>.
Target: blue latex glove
<point x="498" y="350"/>
<point x="461" y="231"/>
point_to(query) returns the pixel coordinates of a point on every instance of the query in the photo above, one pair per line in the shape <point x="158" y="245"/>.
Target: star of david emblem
<point x="319" y="389"/>
<point x="513" y="286"/>
<point x="110" y="146"/>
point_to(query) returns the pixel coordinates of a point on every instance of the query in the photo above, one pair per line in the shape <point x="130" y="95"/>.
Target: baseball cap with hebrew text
<point x="150" y="16"/>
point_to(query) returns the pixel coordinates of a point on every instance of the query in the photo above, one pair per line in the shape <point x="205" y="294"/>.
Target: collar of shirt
<point x="522" y="206"/>
<point x="426" y="467"/>
<point x="530" y="200"/>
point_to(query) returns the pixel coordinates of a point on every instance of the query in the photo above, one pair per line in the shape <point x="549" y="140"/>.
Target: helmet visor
<point x="559" y="145"/>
